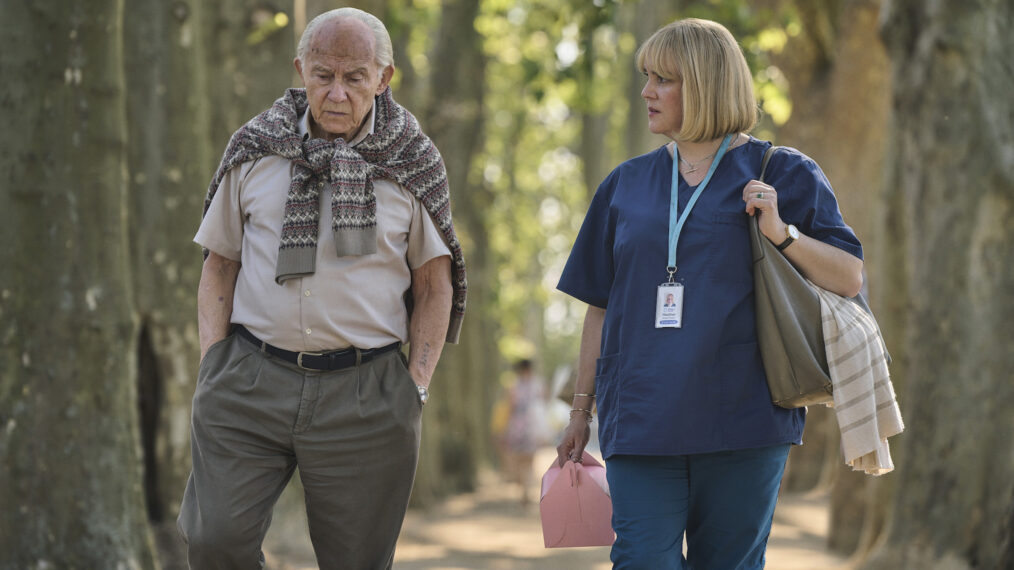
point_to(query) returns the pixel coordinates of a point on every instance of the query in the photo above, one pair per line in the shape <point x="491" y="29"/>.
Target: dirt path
<point x="491" y="530"/>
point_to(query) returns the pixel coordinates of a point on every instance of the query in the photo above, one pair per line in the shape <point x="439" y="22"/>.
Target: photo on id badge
<point x="669" y="306"/>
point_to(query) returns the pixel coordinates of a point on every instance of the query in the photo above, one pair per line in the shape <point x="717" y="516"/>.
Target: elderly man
<point x="329" y="243"/>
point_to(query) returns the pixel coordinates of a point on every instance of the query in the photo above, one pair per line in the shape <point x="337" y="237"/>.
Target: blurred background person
<point x="527" y="426"/>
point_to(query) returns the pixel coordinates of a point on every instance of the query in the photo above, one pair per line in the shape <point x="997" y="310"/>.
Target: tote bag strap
<point x="764" y="163"/>
<point x="859" y="298"/>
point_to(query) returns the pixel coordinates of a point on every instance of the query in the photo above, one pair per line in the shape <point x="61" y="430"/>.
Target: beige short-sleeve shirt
<point x="347" y="301"/>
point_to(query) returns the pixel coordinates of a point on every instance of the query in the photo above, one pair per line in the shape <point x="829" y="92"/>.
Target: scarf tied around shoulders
<point x="397" y="150"/>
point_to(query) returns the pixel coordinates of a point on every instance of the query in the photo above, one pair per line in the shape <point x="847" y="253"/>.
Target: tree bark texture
<point x="840" y="90"/>
<point x="170" y="163"/>
<point x="641" y="19"/>
<point x="249" y="60"/>
<point x="593" y="107"/>
<point x="455" y="426"/>
<point x="952" y="174"/>
<point x="69" y="464"/>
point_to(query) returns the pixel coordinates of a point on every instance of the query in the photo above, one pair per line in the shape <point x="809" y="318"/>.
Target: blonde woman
<point x="693" y="445"/>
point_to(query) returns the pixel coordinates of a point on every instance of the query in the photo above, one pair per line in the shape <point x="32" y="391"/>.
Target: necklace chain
<point x="692" y="166"/>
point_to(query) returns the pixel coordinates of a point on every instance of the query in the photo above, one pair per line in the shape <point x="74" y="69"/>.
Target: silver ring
<point x="760" y="194"/>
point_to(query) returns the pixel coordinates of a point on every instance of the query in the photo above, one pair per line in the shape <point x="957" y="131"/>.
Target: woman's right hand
<point x="575" y="438"/>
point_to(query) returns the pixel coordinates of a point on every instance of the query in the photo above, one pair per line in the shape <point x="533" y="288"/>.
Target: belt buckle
<point x="299" y="358"/>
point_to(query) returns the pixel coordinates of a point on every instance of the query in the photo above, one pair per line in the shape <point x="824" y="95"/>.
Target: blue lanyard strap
<point x="676" y="220"/>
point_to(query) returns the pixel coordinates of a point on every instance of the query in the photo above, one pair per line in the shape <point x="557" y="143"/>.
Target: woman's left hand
<point x="760" y="199"/>
<point x="826" y="265"/>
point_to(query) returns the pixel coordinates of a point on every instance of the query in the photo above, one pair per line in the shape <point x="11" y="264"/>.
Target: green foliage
<point x="551" y="64"/>
<point x="550" y="61"/>
<point x="417" y="19"/>
<point x="266" y="23"/>
<point x="762" y="32"/>
<point x="536" y="80"/>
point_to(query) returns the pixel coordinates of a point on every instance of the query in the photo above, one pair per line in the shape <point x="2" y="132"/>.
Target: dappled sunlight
<point x="490" y="530"/>
<point x="120" y="112"/>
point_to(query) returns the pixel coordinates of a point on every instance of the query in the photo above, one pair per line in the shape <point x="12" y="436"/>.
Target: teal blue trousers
<point x="723" y="502"/>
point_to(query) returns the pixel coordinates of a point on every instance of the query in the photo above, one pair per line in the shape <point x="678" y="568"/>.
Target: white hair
<point x="381" y="38"/>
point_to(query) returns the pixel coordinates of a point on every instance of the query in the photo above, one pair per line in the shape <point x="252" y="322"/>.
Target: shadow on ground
<point x="491" y="530"/>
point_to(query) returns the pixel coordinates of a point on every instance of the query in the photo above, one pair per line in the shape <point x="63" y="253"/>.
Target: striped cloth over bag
<point x="864" y="400"/>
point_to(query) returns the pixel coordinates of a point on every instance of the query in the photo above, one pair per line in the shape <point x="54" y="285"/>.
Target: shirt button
<point x="308" y="331"/>
<point x="307" y="292"/>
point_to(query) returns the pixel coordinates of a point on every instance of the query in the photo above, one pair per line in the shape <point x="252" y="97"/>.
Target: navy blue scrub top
<point x="700" y="388"/>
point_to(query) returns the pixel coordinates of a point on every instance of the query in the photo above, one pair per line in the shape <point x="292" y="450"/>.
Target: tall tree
<point x="640" y="19"/>
<point x="855" y="96"/>
<point x="169" y="162"/>
<point x="189" y="74"/>
<point x="951" y="191"/>
<point x="839" y="82"/>
<point x="249" y="61"/>
<point x="594" y="97"/>
<point x="71" y="491"/>
<point x="836" y="69"/>
<point x="455" y="427"/>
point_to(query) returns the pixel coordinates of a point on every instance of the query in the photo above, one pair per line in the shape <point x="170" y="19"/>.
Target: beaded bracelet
<point x="589" y="412"/>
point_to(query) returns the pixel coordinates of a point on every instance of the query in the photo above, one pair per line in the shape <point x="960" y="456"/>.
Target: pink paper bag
<point x="575" y="505"/>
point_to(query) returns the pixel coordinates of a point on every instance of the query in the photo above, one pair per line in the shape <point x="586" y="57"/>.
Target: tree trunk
<point x="249" y="62"/>
<point x="594" y="110"/>
<point x="71" y="493"/>
<point x="808" y="467"/>
<point x="170" y="161"/>
<point x="400" y="24"/>
<point x="641" y="19"/>
<point x="953" y="170"/>
<point x="838" y="76"/>
<point x="837" y="73"/>
<point x="455" y="426"/>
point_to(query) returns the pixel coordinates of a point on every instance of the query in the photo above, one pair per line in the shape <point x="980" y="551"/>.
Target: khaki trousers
<point x="353" y="433"/>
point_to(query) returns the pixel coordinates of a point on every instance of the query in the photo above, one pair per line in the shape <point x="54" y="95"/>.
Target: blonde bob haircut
<point x="717" y="85"/>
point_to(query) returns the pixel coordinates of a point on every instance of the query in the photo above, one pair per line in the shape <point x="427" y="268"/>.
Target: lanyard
<point x="676" y="221"/>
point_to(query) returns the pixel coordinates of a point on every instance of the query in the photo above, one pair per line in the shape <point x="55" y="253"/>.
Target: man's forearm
<point x="431" y="292"/>
<point x="214" y="299"/>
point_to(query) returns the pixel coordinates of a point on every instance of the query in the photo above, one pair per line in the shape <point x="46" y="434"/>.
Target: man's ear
<point x="299" y="67"/>
<point x="385" y="78"/>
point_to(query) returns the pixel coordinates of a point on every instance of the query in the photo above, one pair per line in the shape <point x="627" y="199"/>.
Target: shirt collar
<point x="368" y="126"/>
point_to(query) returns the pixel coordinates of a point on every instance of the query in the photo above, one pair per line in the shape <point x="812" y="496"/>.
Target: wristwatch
<point x="424" y="394"/>
<point x="791" y="235"/>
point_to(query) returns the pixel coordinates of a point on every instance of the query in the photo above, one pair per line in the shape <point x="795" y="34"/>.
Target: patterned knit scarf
<point x="397" y="150"/>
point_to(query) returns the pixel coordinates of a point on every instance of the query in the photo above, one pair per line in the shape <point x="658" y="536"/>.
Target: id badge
<point x="669" y="306"/>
